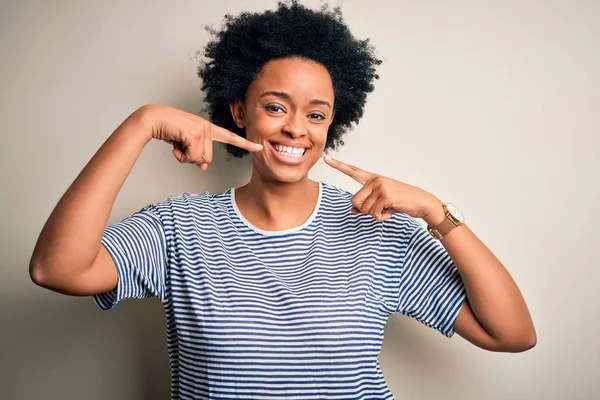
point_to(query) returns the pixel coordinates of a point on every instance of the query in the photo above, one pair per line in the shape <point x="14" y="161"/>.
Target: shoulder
<point x="190" y="204"/>
<point x="400" y="226"/>
<point x="331" y="193"/>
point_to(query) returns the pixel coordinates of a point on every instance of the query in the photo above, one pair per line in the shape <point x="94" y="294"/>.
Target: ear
<point x="237" y="112"/>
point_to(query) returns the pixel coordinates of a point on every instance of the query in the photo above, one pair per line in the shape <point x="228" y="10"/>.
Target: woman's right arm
<point x="68" y="256"/>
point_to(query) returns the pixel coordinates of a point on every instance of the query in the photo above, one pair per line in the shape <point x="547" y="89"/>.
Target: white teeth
<point x="289" y="151"/>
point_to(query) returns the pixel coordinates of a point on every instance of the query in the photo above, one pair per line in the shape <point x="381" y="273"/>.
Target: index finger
<point x="224" y="136"/>
<point x="359" y="175"/>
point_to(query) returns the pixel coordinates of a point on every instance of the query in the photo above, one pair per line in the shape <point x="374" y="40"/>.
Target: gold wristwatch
<point x="453" y="219"/>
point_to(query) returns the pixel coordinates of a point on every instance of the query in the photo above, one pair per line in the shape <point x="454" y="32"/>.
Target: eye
<point x="274" y="108"/>
<point x="317" y="116"/>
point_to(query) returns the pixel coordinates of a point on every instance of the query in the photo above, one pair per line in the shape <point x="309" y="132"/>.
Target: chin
<point x="288" y="176"/>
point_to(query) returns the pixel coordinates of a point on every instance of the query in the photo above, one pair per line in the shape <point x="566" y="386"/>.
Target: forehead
<point x="297" y="77"/>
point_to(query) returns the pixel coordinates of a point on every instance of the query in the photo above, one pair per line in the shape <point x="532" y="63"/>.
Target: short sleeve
<point x="431" y="288"/>
<point x="137" y="246"/>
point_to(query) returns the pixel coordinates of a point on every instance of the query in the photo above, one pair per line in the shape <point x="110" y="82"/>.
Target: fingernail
<point x="326" y="157"/>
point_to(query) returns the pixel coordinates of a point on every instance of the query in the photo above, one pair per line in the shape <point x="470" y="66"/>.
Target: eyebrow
<point x="286" y="96"/>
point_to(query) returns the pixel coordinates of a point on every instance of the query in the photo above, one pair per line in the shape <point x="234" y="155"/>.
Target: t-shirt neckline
<point x="278" y="232"/>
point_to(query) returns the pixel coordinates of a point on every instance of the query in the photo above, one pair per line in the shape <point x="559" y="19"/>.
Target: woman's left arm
<point x="495" y="316"/>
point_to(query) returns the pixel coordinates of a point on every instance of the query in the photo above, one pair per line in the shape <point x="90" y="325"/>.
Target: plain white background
<point x="492" y="105"/>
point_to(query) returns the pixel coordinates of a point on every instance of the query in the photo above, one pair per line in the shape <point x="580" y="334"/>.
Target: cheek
<point x="263" y="126"/>
<point x="319" y="135"/>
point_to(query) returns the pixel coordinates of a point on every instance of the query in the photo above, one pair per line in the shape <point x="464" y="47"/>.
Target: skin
<point x="287" y="102"/>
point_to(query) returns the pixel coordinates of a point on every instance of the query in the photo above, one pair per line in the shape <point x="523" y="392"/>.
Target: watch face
<point x="456" y="214"/>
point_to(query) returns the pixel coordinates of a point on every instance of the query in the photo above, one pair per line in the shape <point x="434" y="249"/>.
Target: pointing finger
<point x="359" y="175"/>
<point x="224" y="136"/>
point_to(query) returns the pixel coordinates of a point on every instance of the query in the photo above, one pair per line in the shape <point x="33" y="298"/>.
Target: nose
<point x="294" y="126"/>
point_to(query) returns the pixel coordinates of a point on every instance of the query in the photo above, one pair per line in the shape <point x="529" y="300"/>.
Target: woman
<point x="282" y="287"/>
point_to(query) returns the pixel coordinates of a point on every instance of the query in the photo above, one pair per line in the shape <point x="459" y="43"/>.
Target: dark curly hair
<point x="247" y="42"/>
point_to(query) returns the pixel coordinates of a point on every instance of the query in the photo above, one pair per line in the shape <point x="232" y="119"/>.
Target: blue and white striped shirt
<point x="294" y="314"/>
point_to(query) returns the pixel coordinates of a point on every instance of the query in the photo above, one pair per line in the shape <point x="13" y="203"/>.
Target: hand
<point x="381" y="196"/>
<point x="190" y="135"/>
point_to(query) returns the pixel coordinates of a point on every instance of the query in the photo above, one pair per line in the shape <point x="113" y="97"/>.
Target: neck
<point x="273" y="205"/>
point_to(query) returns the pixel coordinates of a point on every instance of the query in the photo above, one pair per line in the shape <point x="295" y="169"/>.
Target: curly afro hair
<point x="247" y="42"/>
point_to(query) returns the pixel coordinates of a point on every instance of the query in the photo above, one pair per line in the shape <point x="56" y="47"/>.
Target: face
<point x="288" y="109"/>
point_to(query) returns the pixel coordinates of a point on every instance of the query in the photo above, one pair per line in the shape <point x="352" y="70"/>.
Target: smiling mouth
<point x="288" y="155"/>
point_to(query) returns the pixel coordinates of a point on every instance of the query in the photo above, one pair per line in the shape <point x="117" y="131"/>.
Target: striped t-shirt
<point x="293" y="314"/>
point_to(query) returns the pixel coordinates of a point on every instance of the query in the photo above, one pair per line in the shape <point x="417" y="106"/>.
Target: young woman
<point x="280" y="288"/>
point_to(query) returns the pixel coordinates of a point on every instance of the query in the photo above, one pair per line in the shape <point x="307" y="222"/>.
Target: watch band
<point x="441" y="230"/>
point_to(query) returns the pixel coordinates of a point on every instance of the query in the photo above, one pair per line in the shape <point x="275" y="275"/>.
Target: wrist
<point x="144" y="118"/>
<point x="435" y="214"/>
